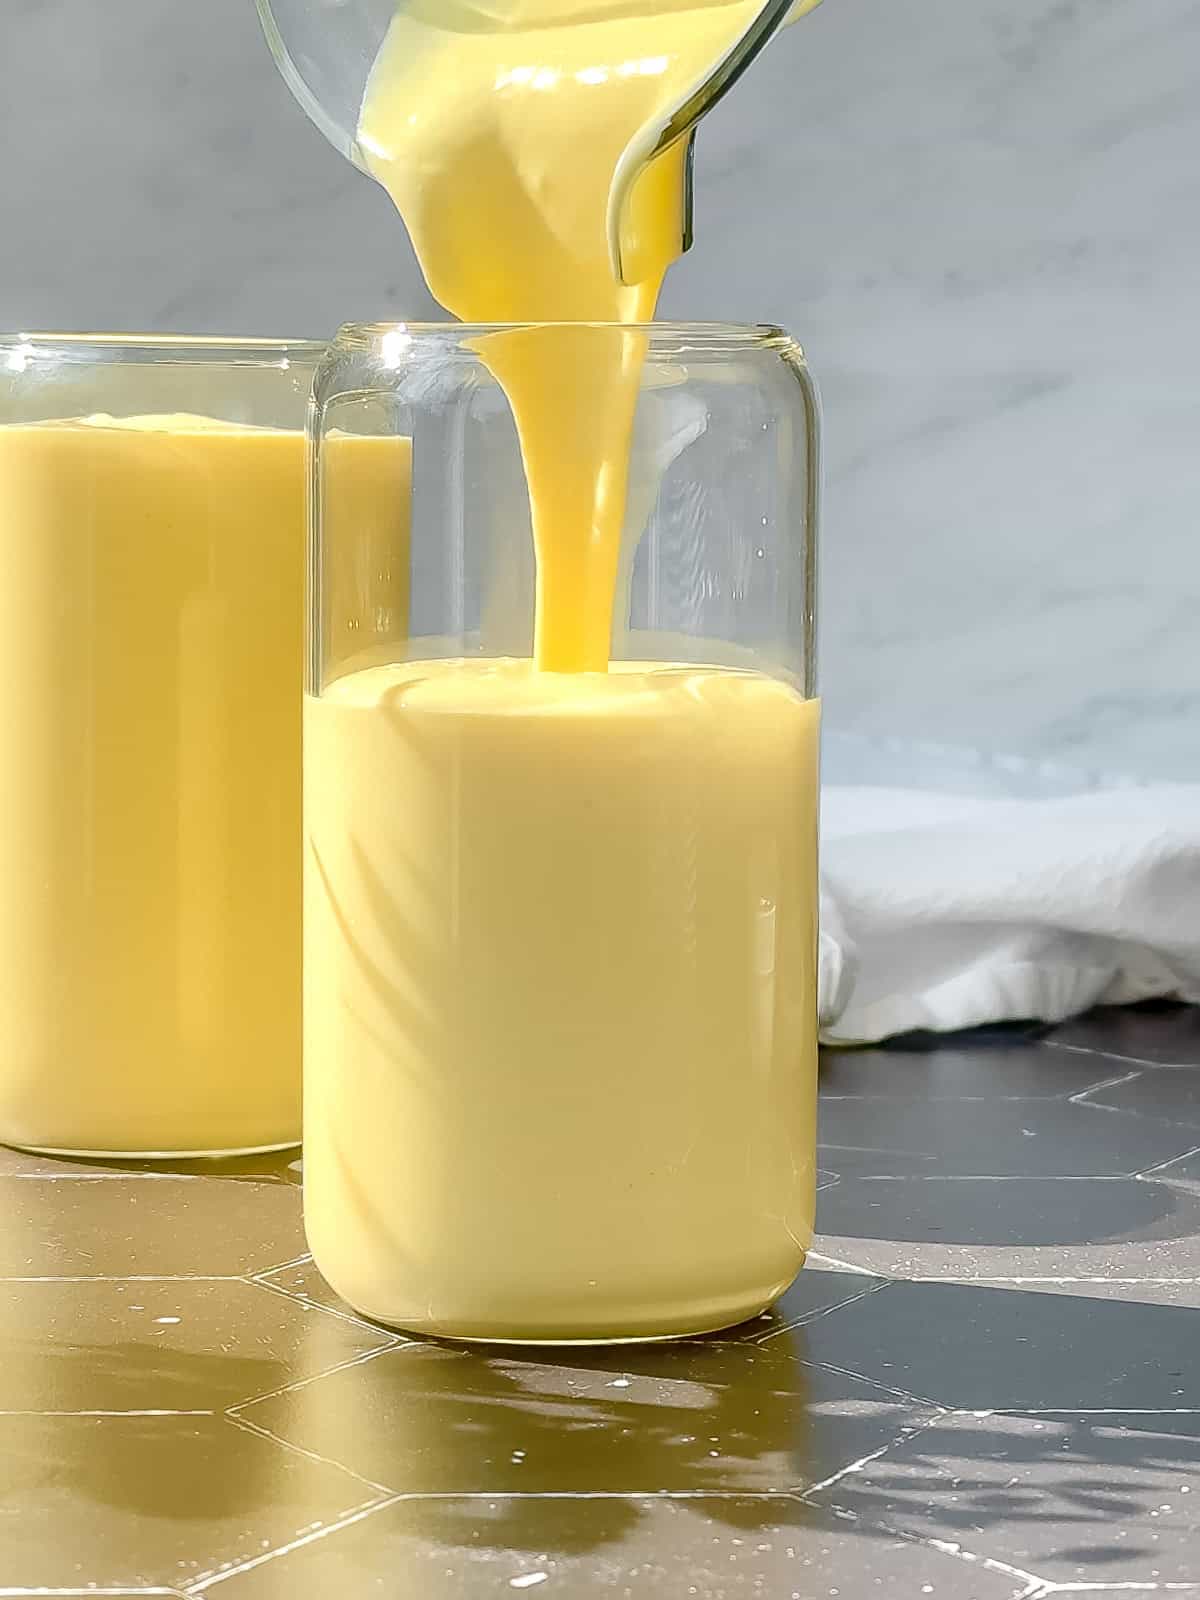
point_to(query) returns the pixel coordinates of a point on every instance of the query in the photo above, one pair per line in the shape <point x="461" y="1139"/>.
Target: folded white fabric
<point x="945" y="911"/>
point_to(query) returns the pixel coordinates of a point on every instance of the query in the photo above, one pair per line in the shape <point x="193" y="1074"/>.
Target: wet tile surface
<point x="985" y="1384"/>
<point x="705" y="1417"/>
<point x="769" y="1547"/>
<point x="1075" y="1498"/>
<point x="146" y="1225"/>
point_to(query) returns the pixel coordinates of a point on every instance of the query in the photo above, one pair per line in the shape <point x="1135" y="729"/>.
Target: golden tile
<point x="304" y="1282"/>
<point x="736" y="1548"/>
<point x="116" y="1502"/>
<point x="701" y="1418"/>
<point x="158" y="1226"/>
<point x="174" y="1346"/>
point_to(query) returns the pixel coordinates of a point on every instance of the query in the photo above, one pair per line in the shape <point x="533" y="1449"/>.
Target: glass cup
<point x="151" y="644"/>
<point x="560" y="925"/>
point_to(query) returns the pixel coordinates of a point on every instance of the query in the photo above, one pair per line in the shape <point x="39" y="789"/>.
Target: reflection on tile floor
<point x="985" y="1384"/>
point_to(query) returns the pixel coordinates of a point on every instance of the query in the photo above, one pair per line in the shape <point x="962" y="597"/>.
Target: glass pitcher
<point x="560" y="927"/>
<point x="326" y="50"/>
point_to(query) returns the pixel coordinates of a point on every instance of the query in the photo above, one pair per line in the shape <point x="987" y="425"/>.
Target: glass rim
<point x="33" y="344"/>
<point x="696" y="335"/>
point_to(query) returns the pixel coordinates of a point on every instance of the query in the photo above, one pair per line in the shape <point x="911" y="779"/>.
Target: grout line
<point x="310" y="1455"/>
<point x="992" y="1277"/>
<point x="1164" y="1166"/>
<point x="359" y="1360"/>
<point x="1105" y="1083"/>
<point x="130" y="1277"/>
<point x="209" y="1580"/>
<point x="960" y="1099"/>
<point x="309" y="1304"/>
<point x="845" y="1266"/>
<point x="864" y="1461"/>
<point x="876" y="1383"/>
<point x="1116" y="1055"/>
<point x="1090" y="1411"/>
<point x="824" y="1311"/>
<point x="301" y="1260"/>
<point x="142" y="1177"/>
<point x="148" y="1411"/>
<point x="1150" y="1586"/>
<point x="999" y="1177"/>
<point x="1033" y="1584"/>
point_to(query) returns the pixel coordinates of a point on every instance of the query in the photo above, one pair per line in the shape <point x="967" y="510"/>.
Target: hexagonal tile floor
<point x="986" y="1382"/>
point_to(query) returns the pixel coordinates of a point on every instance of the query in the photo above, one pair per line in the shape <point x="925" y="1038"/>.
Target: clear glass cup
<point x="152" y="506"/>
<point x="560" y="927"/>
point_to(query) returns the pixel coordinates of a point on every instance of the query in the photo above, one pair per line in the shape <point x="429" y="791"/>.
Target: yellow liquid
<point x="560" y="918"/>
<point x="559" y="956"/>
<point x="503" y="147"/>
<point x="150" y="651"/>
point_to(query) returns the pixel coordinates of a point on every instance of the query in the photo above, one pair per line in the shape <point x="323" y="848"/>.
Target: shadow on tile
<point x="1072" y="1498"/>
<point x="127" y="1501"/>
<point x="1001" y="1348"/>
<point x="1026" y="1213"/>
<point x="112" y="1346"/>
<point x="1156" y="1030"/>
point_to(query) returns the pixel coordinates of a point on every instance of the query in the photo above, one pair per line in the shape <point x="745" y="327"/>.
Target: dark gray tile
<point x="988" y="1348"/>
<point x="1181" y="1174"/>
<point x="1025" y="1227"/>
<point x="1155" y="1032"/>
<point x="156" y="1226"/>
<point x="118" y="1501"/>
<point x="817" y="1290"/>
<point x="1020" y="1071"/>
<point x="1170" y="1093"/>
<point x="1109" y="1499"/>
<point x="671" y="1549"/>
<point x="707" y="1416"/>
<point x="173" y="1346"/>
<point x="1025" y="1138"/>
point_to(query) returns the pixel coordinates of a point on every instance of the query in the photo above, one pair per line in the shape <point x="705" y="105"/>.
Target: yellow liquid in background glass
<point x="151" y="633"/>
<point x="560" y="913"/>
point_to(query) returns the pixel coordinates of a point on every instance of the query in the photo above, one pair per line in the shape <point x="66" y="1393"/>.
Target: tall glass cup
<point x="151" y="638"/>
<point x="560" y="926"/>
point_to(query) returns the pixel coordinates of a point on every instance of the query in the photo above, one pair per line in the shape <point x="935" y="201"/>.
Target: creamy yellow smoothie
<point x="151" y="626"/>
<point x="559" y="944"/>
<point x="560" y="1010"/>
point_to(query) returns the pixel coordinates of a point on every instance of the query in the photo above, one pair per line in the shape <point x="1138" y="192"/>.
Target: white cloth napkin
<point x="944" y="911"/>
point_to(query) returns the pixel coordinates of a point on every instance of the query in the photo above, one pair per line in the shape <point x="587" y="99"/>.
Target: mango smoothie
<point x="151" y="635"/>
<point x="559" y="942"/>
<point x="560" y="1031"/>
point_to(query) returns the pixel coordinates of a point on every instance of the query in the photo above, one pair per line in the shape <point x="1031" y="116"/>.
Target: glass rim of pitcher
<point x="704" y="335"/>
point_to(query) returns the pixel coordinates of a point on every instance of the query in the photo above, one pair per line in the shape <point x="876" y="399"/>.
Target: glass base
<point x="715" y="1319"/>
<point x="153" y="1155"/>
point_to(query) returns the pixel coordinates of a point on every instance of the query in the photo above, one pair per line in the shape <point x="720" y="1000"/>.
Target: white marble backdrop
<point x="983" y="220"/>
